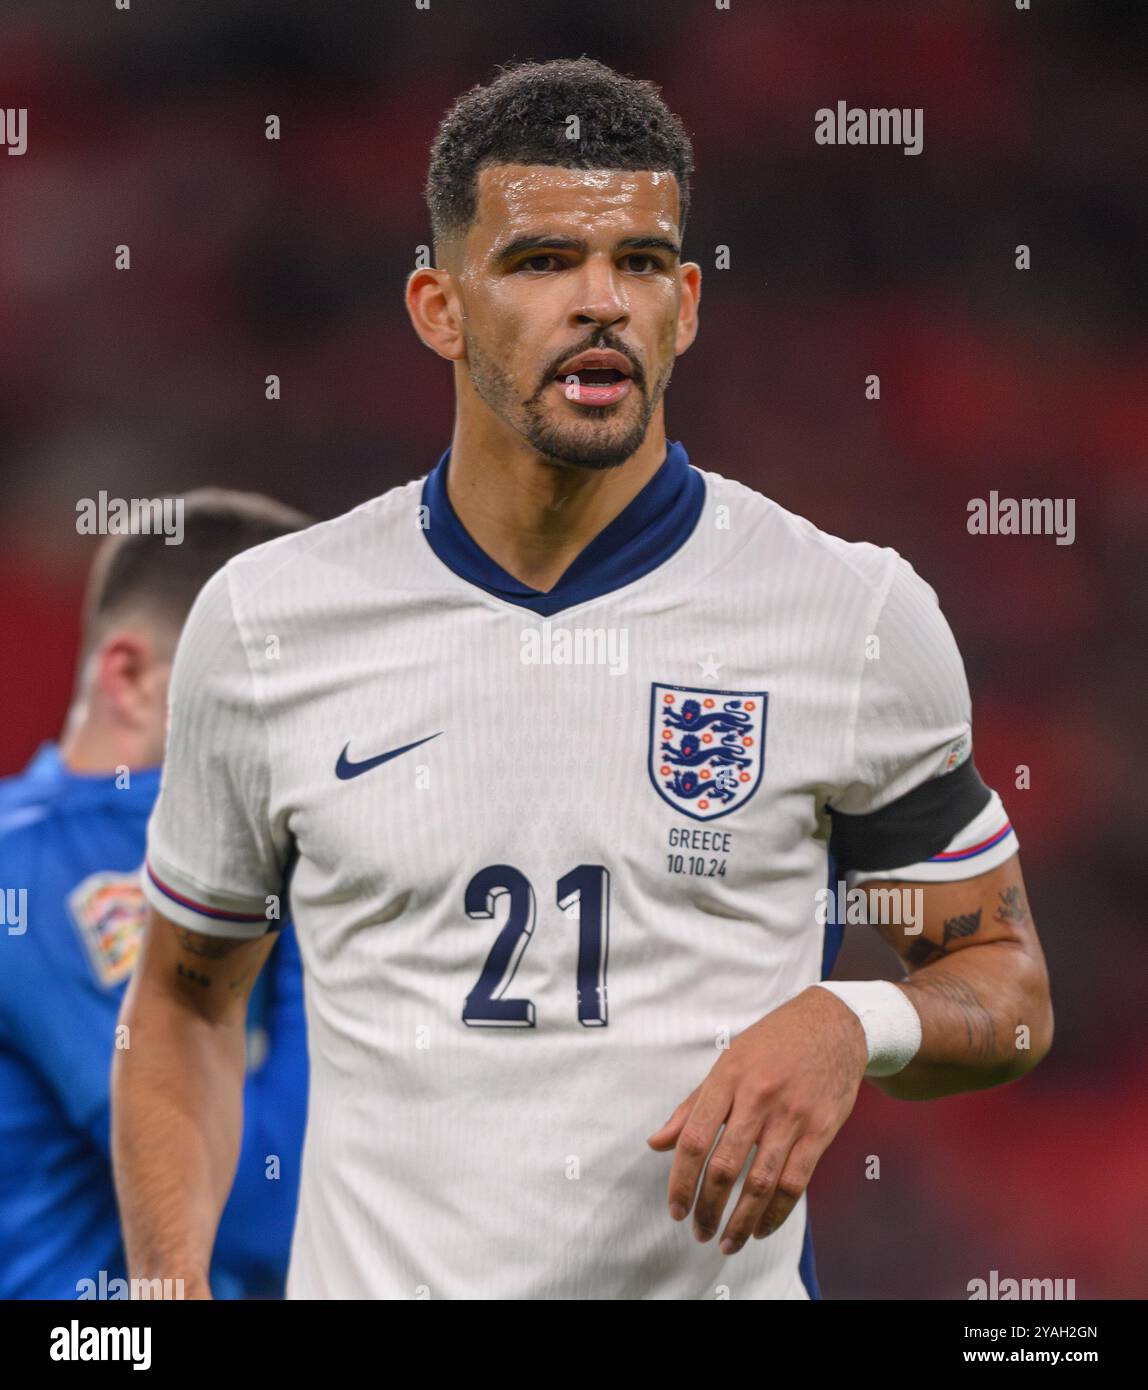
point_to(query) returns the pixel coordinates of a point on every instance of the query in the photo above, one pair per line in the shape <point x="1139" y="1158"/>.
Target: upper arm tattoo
<point x="924" y="951"/>
<point x="986" y="910"/>
<point x="205" y="949"/>
<point x="965" y="924"/>
<point x="198" y="944"/>
<point x="189" y="972"/>
<point x="1012" y="910"/>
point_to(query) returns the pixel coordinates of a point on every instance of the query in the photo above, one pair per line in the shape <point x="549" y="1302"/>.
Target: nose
<point x="601" y="298"/>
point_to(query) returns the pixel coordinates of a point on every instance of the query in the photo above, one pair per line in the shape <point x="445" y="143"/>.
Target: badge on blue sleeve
<point x="109" y="910"/>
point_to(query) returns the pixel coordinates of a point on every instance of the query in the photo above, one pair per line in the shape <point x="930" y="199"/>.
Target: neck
<point x="87" y="746"/>
<point x="533" y="515"/>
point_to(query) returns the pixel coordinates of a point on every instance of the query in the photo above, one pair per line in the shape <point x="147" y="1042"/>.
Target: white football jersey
<point x="548" y="853"/>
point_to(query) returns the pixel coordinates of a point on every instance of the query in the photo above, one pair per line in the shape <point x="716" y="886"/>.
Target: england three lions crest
<point x="707" y="747"/>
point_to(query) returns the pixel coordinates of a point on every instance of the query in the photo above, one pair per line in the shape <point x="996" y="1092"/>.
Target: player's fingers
<point x="773" y="1148"/>
<point x="696" y="1139"/>
<point x="724" y="1168"/>
<point x="794" y="1180"/>
<point x="667" y="1136"/>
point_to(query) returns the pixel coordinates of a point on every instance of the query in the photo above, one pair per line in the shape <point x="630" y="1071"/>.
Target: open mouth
<point x="593" y="385"/>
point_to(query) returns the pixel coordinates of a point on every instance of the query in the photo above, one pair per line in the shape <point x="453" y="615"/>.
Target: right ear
<point x="435" y="310"/>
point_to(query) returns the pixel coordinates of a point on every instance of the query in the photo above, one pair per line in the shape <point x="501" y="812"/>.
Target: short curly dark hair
<point x="521" y="118"/>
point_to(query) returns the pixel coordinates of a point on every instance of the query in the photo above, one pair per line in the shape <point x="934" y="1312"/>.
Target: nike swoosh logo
<point x="345" y="770"/>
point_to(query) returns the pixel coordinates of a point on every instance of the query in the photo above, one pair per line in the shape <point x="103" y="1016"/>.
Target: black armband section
<point x="914" y="827"/>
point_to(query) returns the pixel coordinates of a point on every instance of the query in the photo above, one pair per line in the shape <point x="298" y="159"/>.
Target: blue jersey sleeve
<point x="62" y="1025"/>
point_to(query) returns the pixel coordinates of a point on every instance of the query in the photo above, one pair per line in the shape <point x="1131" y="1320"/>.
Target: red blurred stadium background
<point x="249" y="257"/>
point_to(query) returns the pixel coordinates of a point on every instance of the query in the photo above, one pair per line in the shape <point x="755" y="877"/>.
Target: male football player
<point x="562" y="744"/>
<point x="72" y="839"/>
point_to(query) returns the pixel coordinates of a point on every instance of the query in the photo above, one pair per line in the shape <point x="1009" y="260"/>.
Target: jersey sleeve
<point x="917" y="809"/>
<point x="57" y="1037"/>
<point x="214" y="857"/>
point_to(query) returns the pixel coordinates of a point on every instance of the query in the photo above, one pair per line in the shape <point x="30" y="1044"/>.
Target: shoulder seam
<point x="837" y="547"/>
<point x="881" y="598"/>
<point x="269" y="761"/>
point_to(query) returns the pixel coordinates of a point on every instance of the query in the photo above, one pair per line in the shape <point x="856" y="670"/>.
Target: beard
<point x="600" y="438"/>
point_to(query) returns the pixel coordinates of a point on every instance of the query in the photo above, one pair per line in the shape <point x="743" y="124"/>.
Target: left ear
<point x="690" y="275"/>
<point x="132" y="675"/>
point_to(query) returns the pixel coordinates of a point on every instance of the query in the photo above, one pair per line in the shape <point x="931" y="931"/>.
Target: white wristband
<point x="892" y="1025"/>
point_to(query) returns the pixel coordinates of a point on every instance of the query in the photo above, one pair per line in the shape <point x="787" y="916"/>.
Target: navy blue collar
<point x="656" y="524"/>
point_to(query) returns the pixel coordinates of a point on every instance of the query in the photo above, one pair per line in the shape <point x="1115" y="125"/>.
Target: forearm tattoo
<point x="954" y="989"/>
<point x="980" y="1030"/>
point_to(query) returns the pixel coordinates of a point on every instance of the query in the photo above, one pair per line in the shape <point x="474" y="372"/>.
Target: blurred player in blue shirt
<point x="72" y="838"/>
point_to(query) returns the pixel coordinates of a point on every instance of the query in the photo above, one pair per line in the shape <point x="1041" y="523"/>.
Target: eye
<point x="653" y="263"/>
<point x="532" y="262"/>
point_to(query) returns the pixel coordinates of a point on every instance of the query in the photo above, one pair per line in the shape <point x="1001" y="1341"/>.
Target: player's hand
<point x="786" y="1085"/>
